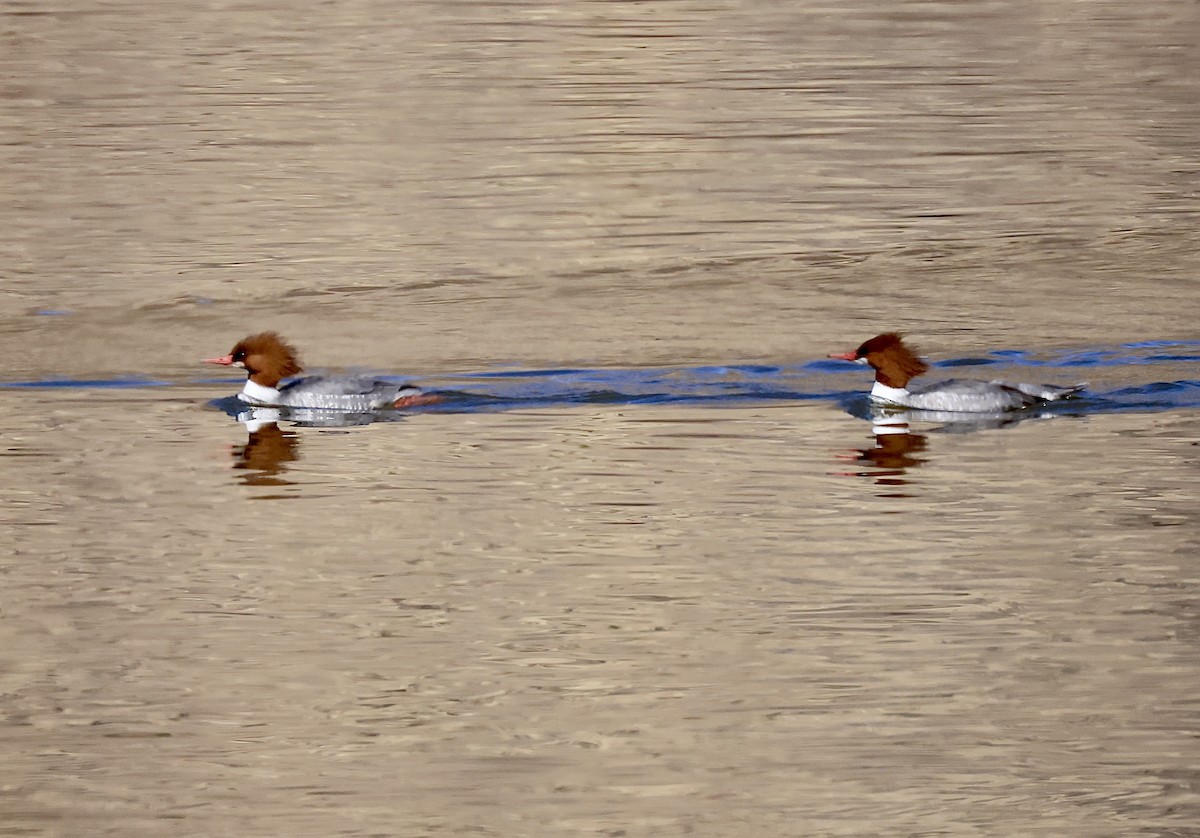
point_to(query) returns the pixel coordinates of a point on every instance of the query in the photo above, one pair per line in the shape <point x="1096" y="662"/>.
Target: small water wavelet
<point x="85" y="384"/>
<point x="1120" y="383"/>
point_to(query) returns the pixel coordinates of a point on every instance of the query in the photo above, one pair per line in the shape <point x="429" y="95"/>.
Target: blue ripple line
<point x="1170" y="358"/>
<point x="739" y="384"/>
<point x="966" y="362"/>
<point x="1155" y="344"/>
<point x="1080" y="358"/>
<point x="828" y="365"/>
<point x="84" y="383"/>
<point x="524" y="373"/>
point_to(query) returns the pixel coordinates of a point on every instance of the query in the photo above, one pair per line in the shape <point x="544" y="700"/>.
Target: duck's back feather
<point x="352" y="393"/>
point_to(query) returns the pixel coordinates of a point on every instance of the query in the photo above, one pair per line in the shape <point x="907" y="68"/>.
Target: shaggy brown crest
<point x="894" y="362"/>
<point x="267" y="357"/>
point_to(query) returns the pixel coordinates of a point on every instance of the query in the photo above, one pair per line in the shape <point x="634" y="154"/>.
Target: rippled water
<point x="649" y="569"/>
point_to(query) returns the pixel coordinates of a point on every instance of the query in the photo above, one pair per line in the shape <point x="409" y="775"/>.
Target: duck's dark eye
<point x="240" y="355"/>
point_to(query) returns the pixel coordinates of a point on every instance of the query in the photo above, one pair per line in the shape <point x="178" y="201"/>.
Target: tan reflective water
<point x="614" y="619"/>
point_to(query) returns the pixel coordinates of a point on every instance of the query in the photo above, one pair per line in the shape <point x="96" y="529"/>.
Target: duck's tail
<point x="1051" y="392"/>
<point x="410" y="396"/>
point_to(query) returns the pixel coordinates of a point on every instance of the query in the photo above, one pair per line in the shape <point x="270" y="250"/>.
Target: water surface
<point x="651" y="571"/>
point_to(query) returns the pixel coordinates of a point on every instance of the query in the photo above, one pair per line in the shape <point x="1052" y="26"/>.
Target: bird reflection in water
<point x="897" y="446"/>
<point x="269" y="448"/>
<point x="895" y="452"/>
<point x="265" y="456"/>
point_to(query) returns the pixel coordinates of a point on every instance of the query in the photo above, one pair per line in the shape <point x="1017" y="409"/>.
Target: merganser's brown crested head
<point x="894" y="362"/>
<point x="267" y="358"/>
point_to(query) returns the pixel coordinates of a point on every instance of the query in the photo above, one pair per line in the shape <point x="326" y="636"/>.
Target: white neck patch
<point x="254" y="393"/>
<point x="892" y="395"/>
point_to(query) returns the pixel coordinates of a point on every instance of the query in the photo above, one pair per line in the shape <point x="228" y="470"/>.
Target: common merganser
<point x="268" y="359"/>
<point x="896" y="364"/>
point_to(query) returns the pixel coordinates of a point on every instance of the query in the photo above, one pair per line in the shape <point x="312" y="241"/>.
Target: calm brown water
<point x="594" y="616"/>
